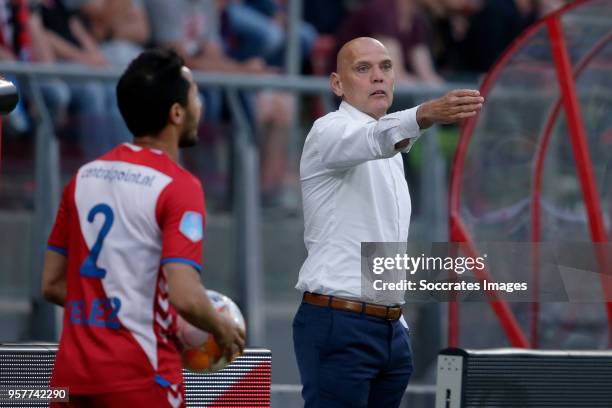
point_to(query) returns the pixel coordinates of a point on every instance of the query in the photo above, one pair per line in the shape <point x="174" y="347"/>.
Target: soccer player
<point x="126" y="248"/>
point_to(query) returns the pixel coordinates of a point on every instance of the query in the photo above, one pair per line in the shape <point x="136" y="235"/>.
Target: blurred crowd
<point x="431" y="41"/>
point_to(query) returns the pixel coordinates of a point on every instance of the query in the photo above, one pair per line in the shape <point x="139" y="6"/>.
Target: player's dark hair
<point x="148" y="88"/>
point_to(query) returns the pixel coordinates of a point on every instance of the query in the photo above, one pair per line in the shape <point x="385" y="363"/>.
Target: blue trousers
<point x="349" y="359"/>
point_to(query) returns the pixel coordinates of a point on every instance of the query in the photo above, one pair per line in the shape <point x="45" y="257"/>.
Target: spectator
<point x="69" y="39"/>
<point x="16" y="31"/>
<point x="447" y="23"/>
<point x="121" y="27"/>
<point x="20" y="35"/>
<point x="72" y="44"/>
<point x="191" y="27"/>
<point x="469" y="35"/>
<point x="491" y="28"/>
<point x="324" y="15"/>
<point x="397" y="24"/>
<point x="23" y="38"/>
<point x="258" y="28"/>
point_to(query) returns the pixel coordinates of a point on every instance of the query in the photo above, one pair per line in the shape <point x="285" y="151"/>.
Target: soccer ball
<point x="200" y="352"/>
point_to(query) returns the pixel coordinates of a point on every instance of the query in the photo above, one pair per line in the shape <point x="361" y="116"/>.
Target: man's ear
<point x="176" y="116"/>
<point x="336" y="84"/>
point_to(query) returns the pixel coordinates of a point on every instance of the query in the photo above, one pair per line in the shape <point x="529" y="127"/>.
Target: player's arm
<point x="189" y="298"/>
<point x="54" y="277"/>
<point x="53" y="283"/>
<point x="181" y="217"/>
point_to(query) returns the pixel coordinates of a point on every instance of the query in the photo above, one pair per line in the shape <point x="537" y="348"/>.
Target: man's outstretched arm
<point x="453" y="107"/>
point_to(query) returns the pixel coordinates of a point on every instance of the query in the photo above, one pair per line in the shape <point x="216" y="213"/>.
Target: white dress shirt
<point x="353" y="190"/>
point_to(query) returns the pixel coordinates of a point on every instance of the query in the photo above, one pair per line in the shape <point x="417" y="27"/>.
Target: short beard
<point x="188" y="139"/>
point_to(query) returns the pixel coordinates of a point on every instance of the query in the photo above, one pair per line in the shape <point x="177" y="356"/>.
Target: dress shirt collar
<point x="356" y="113"/>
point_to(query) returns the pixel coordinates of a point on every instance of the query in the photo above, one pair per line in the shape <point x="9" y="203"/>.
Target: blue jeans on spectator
<point x="92" y="105"/>
<point x="88" y="103"/>
<point x="119" y="133"/>
<point x="212" y="104"/>
<point x="349" y="359"/>
<point x="56" y="95"/>
<point x="259" y="36"/>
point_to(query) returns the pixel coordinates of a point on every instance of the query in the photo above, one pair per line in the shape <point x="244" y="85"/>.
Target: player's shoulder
<point x="128" y="162"/>
<point x="143" y="156"/>
<point x="181" y="177"/>
<point x="184" y="179"/>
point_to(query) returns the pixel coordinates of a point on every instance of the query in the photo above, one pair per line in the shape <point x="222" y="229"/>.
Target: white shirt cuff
<point x="408" y="127"/>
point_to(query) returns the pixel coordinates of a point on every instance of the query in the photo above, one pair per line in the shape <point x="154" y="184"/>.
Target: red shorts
<point x="154" y="397"/>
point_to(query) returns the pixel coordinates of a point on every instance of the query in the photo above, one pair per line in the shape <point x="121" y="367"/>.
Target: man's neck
<point x="371" y="115"/>
<point x="159" y="143"/>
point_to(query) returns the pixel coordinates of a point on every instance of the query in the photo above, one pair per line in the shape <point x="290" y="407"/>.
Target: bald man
<point x="353" y="350"/>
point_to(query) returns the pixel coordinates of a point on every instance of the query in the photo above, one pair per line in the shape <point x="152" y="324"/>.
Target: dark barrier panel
<point x="244" y="383"/>
<point x="524" y="378"/>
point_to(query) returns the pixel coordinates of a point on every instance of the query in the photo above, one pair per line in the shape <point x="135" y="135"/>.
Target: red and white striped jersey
<point x="121" y="218"/>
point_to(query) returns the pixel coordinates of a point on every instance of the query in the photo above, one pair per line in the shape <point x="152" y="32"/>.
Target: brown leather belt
<point x="384" y="312"/>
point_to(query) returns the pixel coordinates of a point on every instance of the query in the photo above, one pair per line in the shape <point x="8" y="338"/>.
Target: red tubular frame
<point x="584" y="165"/>
<point x="459" y="233"/>
<point x="500" y="307"/>
<point x="537" y="181"/>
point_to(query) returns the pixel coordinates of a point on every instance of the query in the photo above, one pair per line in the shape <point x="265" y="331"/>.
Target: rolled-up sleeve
<point x="400" y="126"/>
<point x="342" y="143"/>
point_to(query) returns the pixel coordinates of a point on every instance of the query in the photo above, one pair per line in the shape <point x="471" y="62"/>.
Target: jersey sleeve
<point x="58" y="239"/>
<point x="181" y="217"/>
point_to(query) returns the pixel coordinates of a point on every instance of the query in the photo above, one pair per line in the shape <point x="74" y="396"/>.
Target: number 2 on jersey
<point x="90" y="267"/>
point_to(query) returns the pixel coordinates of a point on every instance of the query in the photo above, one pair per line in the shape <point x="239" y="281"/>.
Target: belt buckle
<point x="387" y="317"/>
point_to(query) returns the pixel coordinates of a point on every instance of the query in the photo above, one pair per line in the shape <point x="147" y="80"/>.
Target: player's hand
<point x="230" y="338"/>
<point x="456" y="105"/>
